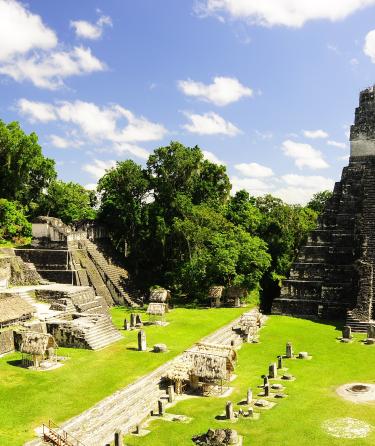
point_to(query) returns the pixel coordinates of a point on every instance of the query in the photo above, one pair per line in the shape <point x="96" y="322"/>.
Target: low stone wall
<point x="6" y="342"/>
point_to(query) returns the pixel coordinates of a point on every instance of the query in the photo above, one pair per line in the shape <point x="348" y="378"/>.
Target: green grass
<point x="295" y="420"/>
<point x="29" y="398"/>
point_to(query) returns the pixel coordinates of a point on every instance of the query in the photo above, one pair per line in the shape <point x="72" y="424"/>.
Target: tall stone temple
<point x="333" y="276"/>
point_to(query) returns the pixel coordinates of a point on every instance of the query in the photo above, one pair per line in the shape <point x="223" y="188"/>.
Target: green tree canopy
<point x="14" y="226"/>
<point x="24" y="171"/>
<point x="69" y="201"/>
<point x="319" y="201"/>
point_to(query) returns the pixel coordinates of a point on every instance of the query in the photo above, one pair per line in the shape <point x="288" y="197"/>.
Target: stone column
<point x="132" y="320"/>
<point x="118" y="438"/>
<point x="170" y="394"/>
<point x="347" y="332"/>
<point x="138" y="320"/>
<point x="279" y="362"/>
<point x="126" y="325"/>
<point x="229" y="414"/>
<point x="289" y="350"/>
<point x="267" y="390"/>
<point x="142" y="344"/>
<point x="250" y="412"/>
<point x="161" y="407"/>
<point x="371" y="331"/>
<point x="265" y="380"/>
<point x="272" y="370"/>
<point x="249" y="396"/>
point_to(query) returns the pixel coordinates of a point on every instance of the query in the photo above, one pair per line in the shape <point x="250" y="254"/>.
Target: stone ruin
<point x="218" y="437"/>
<point x="74" y="315"/>
<point x="82" y="256"/>
<point x="333" y="276"/>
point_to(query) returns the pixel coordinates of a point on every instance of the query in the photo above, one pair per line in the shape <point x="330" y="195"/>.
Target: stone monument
<point x="333" y="274"/>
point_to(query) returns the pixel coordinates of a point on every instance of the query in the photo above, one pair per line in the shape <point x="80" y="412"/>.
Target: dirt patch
<point x="347" y="428"/>
<point x="357" y="392"/>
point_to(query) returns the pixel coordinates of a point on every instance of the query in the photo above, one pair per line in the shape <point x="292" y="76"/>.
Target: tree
<point x="69" y="201"/>
<point x="319" y="201"/>
<point x="14" y="226"/>
<point x="24" y="171"/>
<point x="124" y="191"/>
<point x="284" y="228"/>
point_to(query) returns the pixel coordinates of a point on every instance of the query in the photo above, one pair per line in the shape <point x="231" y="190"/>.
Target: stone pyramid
<point x="332" y="277"/>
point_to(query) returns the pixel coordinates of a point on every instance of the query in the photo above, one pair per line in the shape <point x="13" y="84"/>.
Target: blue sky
<point x="268" y="88"/>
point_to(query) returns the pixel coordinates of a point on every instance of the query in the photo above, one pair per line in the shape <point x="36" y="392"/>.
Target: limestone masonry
<point x="333" y="274"/>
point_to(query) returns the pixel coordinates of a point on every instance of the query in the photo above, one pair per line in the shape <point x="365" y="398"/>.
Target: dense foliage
<point x="24" y="171"/>
<point x="69" y="201"/>
<point x="179" y="227"/>
<point x="14" y="226"/>
<point x="319" y="201"/>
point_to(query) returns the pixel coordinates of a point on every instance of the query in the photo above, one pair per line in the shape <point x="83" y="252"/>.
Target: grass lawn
<point x="29" y="398"/>
<point x="296" y="420"/>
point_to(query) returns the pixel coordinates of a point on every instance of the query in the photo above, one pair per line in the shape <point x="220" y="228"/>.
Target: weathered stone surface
<point x="347" y="332"/>
<point x="142" y="343"/>
<point x="160" y="348"/>
<point x="249" y="396"/>
<point x="229" y="413"/>
<point x="217" y="437"/>
<point x="333" y="273"/>
<point x="289" y="350"/>
<point x="303" y="355"/>
<point x="272" y="370"/>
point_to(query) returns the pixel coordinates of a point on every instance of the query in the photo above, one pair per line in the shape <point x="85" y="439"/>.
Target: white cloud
<point x="222" y="91"/>
<point x="254" y="170"/>
<point x="340" y="145"/>
<point x="209" y="156"/>
<point x="304" y="155"/>
<point x="292" y="13"/>
<point x="210" y="124"/>
<point x="59" y="142"/>
<point x="87" y="30"/>
<point x="254" y="186"/>
<point x="37" y="111"/>
<point x="90" y="186"/>
<point x="369" y="47"/>
<point x="264" y="135"/>
<point x="48" y="70"/>
<point x="315" y="134"/>
<point x="28" y="50"/>
<point x="22" y="31"/>
<point x="299" y="189"/>
<point x="112" y="123"/>
<point x="98" y="167"/>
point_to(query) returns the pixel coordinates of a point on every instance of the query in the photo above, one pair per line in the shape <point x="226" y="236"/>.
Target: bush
<point x="14" y="226"/>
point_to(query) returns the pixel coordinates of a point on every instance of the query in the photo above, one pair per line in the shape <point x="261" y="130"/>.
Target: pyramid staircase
<point x="125" y="291"/>
<point x="101" y="334"/>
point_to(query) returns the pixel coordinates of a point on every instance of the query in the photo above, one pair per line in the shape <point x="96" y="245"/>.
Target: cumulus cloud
<point x="304" y="155"/>
<point x="113" y="123"/>
<point x="291" y="13"/>
<point x="64" y="143"/>
<point x="37" y="111"/>
<point x="291" y="188"/>
<point x="210" y="123"/>
<point x="340" y="145"/>
<point x="254" y="170"/>
<point x="48" y="70"/>
<point x="254" y="186"/>
<point x="22" y="31"/>
<point x="209" y="156"/>
<point x="369" y="47"/>
<point x="28" y="50"/>
<point x="299" y="189"/>
<point x="315" y="134"/>
<point x="222" y="91"/>
<point x="97" y="168"/>
<point x="90" y="186"/>
<point x="87" y="30"/>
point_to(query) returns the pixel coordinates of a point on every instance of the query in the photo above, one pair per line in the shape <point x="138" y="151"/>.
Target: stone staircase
<point x="131" y="405"/>
<point x="102" y="334"/>
<point x="356" y="325"/>
<point x="93" y="276"/>
<point x="118" y="277"/>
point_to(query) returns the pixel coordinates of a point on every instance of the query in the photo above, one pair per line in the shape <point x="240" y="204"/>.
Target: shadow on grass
<point x="15" y="363"/>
